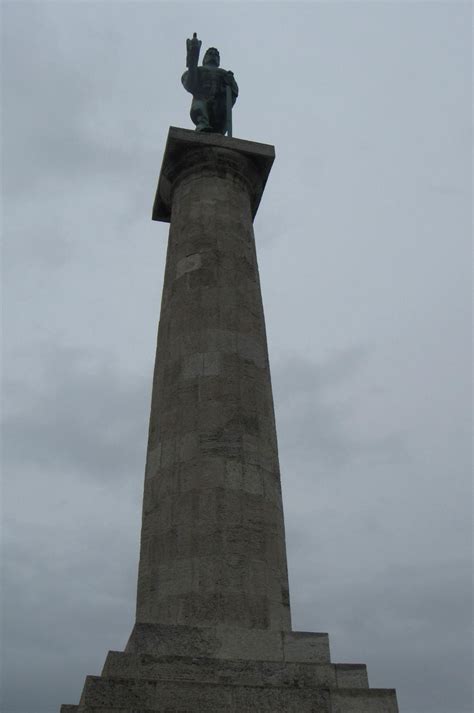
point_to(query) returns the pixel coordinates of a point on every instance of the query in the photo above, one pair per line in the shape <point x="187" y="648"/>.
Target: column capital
<point x="187" y="151"/>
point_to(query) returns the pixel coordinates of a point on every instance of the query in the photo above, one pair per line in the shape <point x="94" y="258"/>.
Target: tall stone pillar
<point x="213" y="541"/>
<point x="212" y="631"/>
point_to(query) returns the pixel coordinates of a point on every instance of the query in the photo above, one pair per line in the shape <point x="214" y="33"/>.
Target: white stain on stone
<point x="188" y="264"/>
<point x="193" y="365"/>
<point x="222" y="340"/>
<point x="202" y="364"/>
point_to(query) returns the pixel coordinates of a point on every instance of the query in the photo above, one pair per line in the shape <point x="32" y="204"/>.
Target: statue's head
<point x="212" y="57"/>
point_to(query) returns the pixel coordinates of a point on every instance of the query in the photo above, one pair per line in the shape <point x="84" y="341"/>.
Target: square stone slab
<point x="182" y="140"/>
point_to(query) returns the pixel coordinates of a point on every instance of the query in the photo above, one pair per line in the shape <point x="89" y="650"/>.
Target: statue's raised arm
<point x="193" y="47"/>
<point x="214" y="90"/>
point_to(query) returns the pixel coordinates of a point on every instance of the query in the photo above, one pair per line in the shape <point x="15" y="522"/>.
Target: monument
<point x="213" y="628"/>
<point x="214" y="90"/>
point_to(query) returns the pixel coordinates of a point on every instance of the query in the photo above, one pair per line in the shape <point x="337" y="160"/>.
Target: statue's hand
<point x="193" y="48"/>
<point x="194" y="42"/>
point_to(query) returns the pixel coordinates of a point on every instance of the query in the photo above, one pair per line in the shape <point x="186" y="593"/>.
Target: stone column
<point x="213" y="542"/>
<point x="213" y="617"/>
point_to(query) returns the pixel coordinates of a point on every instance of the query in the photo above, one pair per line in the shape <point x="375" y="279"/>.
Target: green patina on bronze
<point x="214" y="90"/>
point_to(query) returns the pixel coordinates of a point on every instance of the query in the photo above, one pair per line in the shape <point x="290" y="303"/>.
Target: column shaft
<point x="213" y="542"/>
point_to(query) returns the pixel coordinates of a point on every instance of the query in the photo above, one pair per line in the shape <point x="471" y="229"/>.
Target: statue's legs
<point x="208" y="116"/>
<point x="200" y="115"/>
<point x="217" y="115"/>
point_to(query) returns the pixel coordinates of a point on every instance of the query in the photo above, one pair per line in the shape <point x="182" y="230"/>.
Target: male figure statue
<point x="214" y="90"/>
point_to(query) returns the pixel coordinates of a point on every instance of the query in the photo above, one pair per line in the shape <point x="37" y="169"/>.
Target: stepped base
<point x="179" y="669"/>
<point x="226" y="643"/>
<point x="236" y="672"/>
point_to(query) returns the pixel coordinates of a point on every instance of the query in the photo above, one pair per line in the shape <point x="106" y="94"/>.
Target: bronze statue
<point x="214" y="90"/>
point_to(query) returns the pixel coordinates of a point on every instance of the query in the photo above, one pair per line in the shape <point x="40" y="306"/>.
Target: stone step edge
<point x="229" y="643"/>
<point x="360" y="692"/>
<point x="101" y="695"/>
<point x="169" y="658"/>
<point x="69" y="708"/>
<point x="154" y="667"/>
<point x="94" y="697"/>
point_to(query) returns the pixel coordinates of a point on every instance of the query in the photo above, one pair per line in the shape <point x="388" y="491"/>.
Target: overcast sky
<point x="363" y="239"/>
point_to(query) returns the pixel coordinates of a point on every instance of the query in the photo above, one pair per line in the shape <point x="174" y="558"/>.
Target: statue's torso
<point x="208" y="84"/>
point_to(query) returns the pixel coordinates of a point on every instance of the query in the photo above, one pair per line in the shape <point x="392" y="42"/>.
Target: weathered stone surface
<point x="181" y="141"/>
<point x="224" y="643"/>
<point x="132" y="682"/>
<point x="213" y="544"/>
<point x="373" y="700"/>
<point x="173" y="696"/>
<point x="134" y="694"/>
<point x="351" y="675"/>
<point x="305" y="646"/>
<point x="233" y="671"/>
<point x="212" y="631"/>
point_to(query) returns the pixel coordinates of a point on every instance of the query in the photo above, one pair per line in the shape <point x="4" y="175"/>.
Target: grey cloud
<point x="75" y="425"/>
<point x="55" y="106"/>
<point x="83" y="415"/>
<point x="313" y="423"/>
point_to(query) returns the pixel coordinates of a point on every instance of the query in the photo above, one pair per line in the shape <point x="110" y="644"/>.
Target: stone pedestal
<point x="213" y="629"/>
